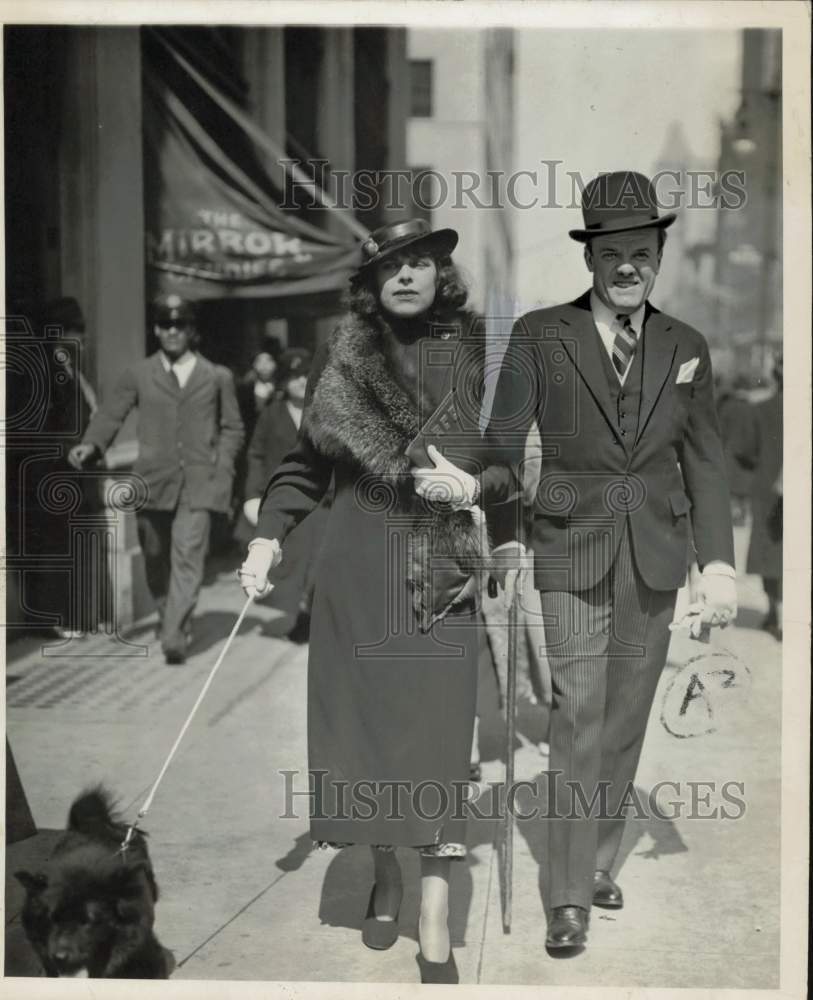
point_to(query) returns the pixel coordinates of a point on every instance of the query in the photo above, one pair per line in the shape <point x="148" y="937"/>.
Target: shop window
<point x="420" y="86"/>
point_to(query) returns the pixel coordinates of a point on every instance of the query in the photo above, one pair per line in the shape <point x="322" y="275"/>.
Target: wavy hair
<point x="450" y="296"/>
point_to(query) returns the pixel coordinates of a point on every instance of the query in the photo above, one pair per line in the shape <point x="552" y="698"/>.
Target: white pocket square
<point x="686" y="371"/>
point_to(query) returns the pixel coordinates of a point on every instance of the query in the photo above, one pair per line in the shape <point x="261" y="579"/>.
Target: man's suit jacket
<point x="190" y="435"/>
<point x="592" y="478"/>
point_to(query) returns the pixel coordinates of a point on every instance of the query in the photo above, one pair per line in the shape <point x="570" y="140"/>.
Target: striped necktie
<point x="625" y="343"/>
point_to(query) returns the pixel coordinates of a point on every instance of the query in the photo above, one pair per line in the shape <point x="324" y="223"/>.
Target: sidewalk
<point x="244" y="896"/>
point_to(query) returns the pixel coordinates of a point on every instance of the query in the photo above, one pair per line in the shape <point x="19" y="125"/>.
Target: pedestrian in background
<point x="69" y="405"/>
<point x="189" y="434"/>
<point x="274" y="436"/>
<point x="765" y="546"/>
<point x="256" y="388"/>
<point x="737" y="430"/>
<point x="392" y="670"/>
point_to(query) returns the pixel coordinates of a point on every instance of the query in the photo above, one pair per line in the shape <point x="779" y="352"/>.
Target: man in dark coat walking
<point x="189" y="433"/>
<point x="623" y="398"/>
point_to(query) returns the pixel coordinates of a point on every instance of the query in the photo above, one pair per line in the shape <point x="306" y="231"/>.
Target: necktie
<point x="624" y="344"/>
<point x="174" y="376"/>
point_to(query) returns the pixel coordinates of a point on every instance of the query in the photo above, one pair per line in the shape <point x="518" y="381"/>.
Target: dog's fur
<point x="90" y="911"/>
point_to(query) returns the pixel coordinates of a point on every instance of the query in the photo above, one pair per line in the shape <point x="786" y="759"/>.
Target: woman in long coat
<point x="392" y="674"/>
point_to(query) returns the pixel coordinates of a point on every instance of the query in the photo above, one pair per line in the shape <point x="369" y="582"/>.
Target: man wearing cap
<point x="189" y="433"/>
<point x="631" y="452"/>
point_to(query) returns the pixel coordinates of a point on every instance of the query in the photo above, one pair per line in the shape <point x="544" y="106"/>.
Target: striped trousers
<point x="607" y="647"/>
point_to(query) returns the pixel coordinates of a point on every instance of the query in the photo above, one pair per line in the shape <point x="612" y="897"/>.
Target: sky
<point x="600" y="101"/>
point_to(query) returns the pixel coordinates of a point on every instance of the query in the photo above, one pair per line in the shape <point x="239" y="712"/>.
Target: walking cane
<point x="510" y="731"/>
<point x="506" y="842"/>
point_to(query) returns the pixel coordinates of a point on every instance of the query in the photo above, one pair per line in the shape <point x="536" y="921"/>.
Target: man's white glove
<point x="251" y="509"/>
<point x="716" y="603"/>
<point x="446" y="483"/>
<point x="263" y="555"/>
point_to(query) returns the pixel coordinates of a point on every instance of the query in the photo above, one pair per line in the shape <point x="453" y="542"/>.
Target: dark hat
<point x="617" y="203"/>
<point x="294" y="362"/>
<point x="64" y="312"/>
<point x="171" y="308"/>
<point x="387" y="240"/>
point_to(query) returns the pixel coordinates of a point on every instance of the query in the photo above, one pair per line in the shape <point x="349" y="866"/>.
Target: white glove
<point x="446" y="483"/>
<point x="719" y="596"/>
<point x="263" y="555"/>
<point x="251" y="509"/>
<point x="716" y="604"/>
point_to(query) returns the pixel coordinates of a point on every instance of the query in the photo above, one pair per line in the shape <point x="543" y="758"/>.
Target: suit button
<point x="623" y="434"/>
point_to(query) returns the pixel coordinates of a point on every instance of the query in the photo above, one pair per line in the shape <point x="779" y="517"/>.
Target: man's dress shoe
<point x="567" y="927"/>
<point x="606" y="892"/>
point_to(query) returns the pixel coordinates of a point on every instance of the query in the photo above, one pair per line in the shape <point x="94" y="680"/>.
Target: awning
<point x="215" y="225"/>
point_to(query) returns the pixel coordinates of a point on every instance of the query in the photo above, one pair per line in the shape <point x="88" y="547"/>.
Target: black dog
<point x="90" y="913"/>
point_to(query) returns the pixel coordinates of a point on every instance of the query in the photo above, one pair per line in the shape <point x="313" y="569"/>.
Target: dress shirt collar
<point x="182" y="367"/>
<point x="604" y="315"/>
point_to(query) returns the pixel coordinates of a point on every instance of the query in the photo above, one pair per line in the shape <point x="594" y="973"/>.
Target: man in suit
<point x="189" y="434"/>
<point x="623" y="398"/>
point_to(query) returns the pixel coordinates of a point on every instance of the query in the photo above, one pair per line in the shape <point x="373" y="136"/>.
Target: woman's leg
<point x="433" y="926"/>
<point x="388" y="884"/>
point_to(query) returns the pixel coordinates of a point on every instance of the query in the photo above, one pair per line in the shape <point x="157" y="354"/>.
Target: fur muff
<point x="362" y="416"/>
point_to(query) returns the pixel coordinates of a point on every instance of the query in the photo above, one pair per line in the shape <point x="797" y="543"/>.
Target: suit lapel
<point x="577" y="325"/>
<point x="660" y="346"/>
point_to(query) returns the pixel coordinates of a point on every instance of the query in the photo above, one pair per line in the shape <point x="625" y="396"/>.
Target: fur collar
<point x="360" y="414"/>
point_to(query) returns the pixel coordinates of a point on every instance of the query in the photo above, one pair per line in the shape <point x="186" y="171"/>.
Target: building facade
<point x="460" y="149"/>
<point x="76" y="197"/>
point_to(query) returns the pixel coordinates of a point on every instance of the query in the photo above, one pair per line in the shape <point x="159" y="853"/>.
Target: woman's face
<point x="407" y="283"/>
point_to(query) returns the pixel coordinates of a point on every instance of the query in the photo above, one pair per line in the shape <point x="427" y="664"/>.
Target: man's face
<point x="624" y="268"/>
<point x="407" y="283"/>
<point x="174" y="336"/>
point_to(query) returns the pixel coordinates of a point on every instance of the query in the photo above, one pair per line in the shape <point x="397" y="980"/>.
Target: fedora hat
<point x="617" y="203"/>
<point x="387" y="240"/>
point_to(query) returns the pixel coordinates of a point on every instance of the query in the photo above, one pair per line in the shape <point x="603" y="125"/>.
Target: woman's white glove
<point x="445" y="483"/>
<point x="263" y="555"/>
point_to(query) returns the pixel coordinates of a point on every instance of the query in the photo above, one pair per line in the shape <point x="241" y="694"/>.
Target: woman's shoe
<point x="378" y="934"/>
<point x="438" y="972"/>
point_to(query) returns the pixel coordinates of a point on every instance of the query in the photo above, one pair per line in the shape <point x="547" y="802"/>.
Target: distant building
<point x="460" y="147"/>
<point x="748" y="262"/>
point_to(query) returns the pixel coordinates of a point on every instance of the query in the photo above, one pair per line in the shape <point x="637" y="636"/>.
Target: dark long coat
<point x="765" y="547"/>
<point x="387" y="702"/>
<point x="275" y="434"/>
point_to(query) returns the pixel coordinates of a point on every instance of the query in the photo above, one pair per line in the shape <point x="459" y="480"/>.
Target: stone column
<point x="102" y="238"/>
